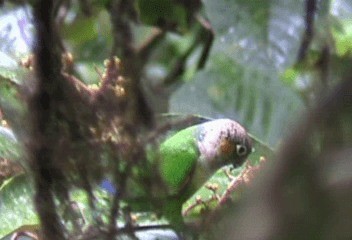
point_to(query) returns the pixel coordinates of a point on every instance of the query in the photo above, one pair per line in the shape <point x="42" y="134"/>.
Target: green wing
<point x="179" y="155"/>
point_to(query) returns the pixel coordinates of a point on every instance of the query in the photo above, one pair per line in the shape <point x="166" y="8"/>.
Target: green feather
<point x="178" y="157"/>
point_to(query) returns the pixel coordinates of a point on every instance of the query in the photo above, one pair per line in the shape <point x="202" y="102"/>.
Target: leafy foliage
<point x="261" y="63"/>
<point x="243" y="77"/>
<point x="16" y="206"/>
<point x="8" y="148"/>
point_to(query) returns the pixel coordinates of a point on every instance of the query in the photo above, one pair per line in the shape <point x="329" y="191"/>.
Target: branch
<point x="309" y="31"/>
<point x="122" y="13"/>
<point x="42" y="109"/>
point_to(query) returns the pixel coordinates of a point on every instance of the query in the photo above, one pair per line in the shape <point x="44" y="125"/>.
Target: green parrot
<point x="191" y="156"/>
<point x="187" y="159"/>
<point x="181" y="165"/>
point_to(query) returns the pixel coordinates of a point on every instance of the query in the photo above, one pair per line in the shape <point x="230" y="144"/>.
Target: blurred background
<point x="281" y="68"/>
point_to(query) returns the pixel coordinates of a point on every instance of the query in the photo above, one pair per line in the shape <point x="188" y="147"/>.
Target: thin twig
<point x="208" y="39"/>
<point x="309" y="29"/>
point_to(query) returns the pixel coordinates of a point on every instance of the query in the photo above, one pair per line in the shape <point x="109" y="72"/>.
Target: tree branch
<point x="42" y="109"/>
<point x="309" y="30"/>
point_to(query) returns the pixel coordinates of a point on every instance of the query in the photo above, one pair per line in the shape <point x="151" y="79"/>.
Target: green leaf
<point x="17" y="209"/>
<point x="343" y="37"/>
<point x="16" y="205"/>
<point x="89" y="38"/>
<point x="89" y="71"/>
<point x="81" y="30"/>
<point x="259" y="34"/>
<point x="9" y="148"/>
<point x="162" y="13"/>
<point x="11" y="102"/>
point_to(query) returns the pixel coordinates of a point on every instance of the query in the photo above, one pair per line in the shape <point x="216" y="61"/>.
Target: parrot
<point x="191" y="156"/>
<point x="188" y="158"/>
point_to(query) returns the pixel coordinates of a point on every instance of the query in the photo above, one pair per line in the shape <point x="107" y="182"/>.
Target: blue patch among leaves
<point x="108" y="186"/>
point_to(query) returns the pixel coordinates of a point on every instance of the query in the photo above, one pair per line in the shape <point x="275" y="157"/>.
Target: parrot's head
<point x="223" y="142"/>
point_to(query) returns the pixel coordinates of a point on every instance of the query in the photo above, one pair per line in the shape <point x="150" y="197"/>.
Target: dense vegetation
<point x="88" y="89"/>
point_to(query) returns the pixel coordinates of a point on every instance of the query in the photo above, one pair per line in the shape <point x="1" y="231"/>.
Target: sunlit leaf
<point x="9" y="148"/>
<point x="16" y="205"/>
<point x="11" y="102"/>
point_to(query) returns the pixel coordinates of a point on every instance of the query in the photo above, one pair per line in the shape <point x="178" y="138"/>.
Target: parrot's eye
<point x="241" y="150"/>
